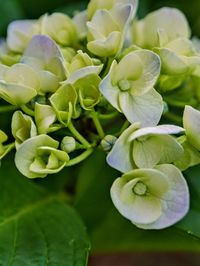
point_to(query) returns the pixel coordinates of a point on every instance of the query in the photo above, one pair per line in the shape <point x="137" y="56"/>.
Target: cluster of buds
<point x="72" y="82"/>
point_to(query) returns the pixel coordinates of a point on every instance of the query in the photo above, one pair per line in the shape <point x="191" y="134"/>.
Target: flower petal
<point x="146" y="109"/>
<point x="175" y="203"/>
<point x="191" y="122"/>
<point x="120" y="156"/>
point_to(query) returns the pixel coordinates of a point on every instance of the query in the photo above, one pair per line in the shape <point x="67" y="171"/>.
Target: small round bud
<point x="68" y="144"/>
<point x="124" y="85"/>
<point x="108" y="142"/>
<point x="140" y="189"/>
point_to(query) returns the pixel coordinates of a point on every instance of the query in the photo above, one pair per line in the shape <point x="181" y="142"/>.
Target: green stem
<point x="124" y="126"/>
<point x="108" y="116"/>
<point x="97" y="124"/>
<point x="80" y="158"/>
<point x="8" y="148"/>
<point x="108" y="65"/>
<point x="27" y="110"/>
<point x="8" y="108"/>
<point x="78" y="136"/>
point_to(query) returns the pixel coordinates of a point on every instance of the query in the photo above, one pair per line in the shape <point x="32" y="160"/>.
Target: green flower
<point x="45" y="57"/>
<point x="7" y="57"/>
<point x="45" y="117"/>
<point x="18" y="84"/>
<point x="4" y="149"/>
<point x="145" y="147"/>
<point x="95" y="5"/>
<point x="82" y="60"/>
<point x="191" y="123"/>
<point x="179" y="60"/>
<point x="85" y="80"/>
<point x="147" y="30"/>
<point x="39" y="156"/>
<point x="60" y="28"/>
<point x="170" y="40"/>
<point x="152" y="198"/>
<point x="88" y="91"/>
<point x="107" y="29"/>
<point x="190" y="157"/>
<point x="64" y="102"/>
<point x="23" y="128"/>
<point x="130" y="89"/>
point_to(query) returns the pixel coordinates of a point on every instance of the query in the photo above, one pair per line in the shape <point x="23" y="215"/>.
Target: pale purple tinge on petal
<point x="122" y="14"/>
<point x="80" y="22"/>
<point x="43" y="48"/>
<point x="175" y="203"/>
<point x="158" y="130"/>
<point x="120" y="155"/>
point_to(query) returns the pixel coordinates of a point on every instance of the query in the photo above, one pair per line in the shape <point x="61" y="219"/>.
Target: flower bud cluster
<point x="104" y="77"/>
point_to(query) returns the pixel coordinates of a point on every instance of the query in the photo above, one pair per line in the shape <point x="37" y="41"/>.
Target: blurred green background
<point x="20" y="9"/>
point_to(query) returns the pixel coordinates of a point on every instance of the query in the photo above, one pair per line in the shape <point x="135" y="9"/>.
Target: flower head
<point x="152" y="198"/>
<point x="39" y="156"/>
<point x="145" y="147"/>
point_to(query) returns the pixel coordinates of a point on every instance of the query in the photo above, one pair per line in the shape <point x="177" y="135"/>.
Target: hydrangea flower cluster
<point x="104" y="78"/>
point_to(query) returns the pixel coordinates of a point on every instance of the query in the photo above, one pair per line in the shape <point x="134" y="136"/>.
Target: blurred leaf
<point x="34" y="9"/>
<point x="92" y="194"/>
<point x="72" y="7"/>
<point x="10" y="10"/>
<point x="36" y="227"/>
<point x="109" y="231"/>
<point x="191" y="223"/>
<point x="118" y="234"/>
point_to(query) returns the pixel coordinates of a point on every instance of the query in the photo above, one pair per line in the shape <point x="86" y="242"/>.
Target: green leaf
<point x="10" y="10"/>
<point x="36" y="227"/>
<point x="117" y="234"/>
<point x="192" y="221"/>
<point x="108" y="230"/>
<point x="92" y="193"/>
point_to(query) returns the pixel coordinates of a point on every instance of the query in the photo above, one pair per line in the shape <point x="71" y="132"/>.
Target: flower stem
<point x="80" y="158"/>
<point x="124" y="126"/>
<point x="108" y="116"/>
<point x="27" y="110"/>
<point x="78" y="136"/>
<point x="8" y="108"/>
<point x="8" y="148"/>
<point x="97" y="124"/>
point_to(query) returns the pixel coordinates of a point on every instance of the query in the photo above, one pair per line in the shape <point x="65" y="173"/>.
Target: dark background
<point x="19" y="9"/>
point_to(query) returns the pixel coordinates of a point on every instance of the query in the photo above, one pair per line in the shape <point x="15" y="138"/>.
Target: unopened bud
<point x="108" y="142"/>
<point x="68" y="144"/>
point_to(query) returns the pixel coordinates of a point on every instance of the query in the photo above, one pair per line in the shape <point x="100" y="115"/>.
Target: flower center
<point x="124" y="85"/>
<point x="142" y="138"/>
<point x="140" y="189"/>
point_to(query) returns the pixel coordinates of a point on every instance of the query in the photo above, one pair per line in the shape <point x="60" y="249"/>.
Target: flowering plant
<point x="100" y="83"/>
